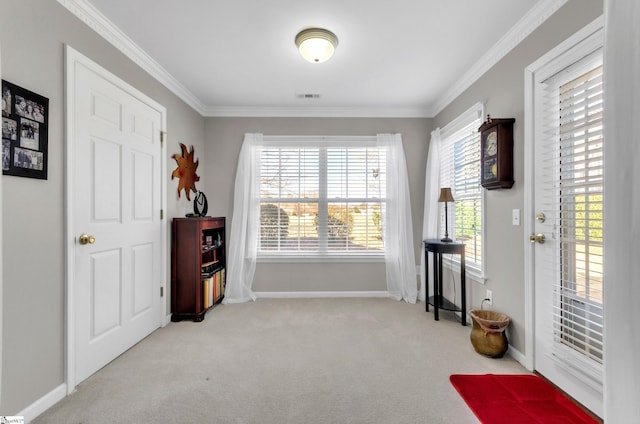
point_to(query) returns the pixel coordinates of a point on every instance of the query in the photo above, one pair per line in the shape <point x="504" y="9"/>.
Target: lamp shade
<point x="316" y="45"/>
<point x="445" y="195"/>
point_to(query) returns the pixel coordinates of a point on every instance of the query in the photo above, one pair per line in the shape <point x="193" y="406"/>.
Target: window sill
<point x="321" y="258"/>
<point x="472" y="272"/>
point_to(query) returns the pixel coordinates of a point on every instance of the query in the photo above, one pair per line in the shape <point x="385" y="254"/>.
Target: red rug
<point x="517" y="399"/>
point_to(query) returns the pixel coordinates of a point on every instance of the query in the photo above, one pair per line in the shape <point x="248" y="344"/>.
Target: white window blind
<point x="578" y="310"/>
<point x="322" y="198"/>
<point x="460" y="170"/>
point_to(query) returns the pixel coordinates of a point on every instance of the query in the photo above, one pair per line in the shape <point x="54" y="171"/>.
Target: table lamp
<point x="446" y="197"/>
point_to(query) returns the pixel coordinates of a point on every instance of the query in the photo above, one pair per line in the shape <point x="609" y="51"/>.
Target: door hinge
<point x="161" y="214"/>
<point x="162" y="133"/>
<point x="161" y="291"/>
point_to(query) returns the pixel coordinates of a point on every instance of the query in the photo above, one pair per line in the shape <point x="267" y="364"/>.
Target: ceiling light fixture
<point x="316" y="45"/>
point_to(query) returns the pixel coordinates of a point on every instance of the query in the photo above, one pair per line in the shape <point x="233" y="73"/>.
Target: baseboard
<point x="44" y="403"/>
<point x="517" y="355"/>
<point x="320" y="294"/>
<point x="167" y="320"/>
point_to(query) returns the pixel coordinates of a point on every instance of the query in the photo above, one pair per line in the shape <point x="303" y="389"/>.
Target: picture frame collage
<point x="25" y="128"/>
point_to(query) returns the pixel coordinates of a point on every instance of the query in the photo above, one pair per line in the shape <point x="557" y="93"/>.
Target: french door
<point x="567" y="221"/>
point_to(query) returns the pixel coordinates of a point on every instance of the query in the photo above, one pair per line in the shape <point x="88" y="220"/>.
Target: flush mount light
<point x="316" y="45"/>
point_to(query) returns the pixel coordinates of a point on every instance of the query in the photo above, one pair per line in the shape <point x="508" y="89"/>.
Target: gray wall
<point x="502" y="88"/>
<point x="33" y="34"/>
<point x="224" y="138"/>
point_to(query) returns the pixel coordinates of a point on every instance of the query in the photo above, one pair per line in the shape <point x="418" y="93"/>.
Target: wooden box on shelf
<point x="198" y="266"/>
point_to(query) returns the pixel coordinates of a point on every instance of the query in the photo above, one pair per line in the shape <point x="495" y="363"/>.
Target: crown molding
<point x="521" y="30"/>
<point x="91" y="16"/>
<point x="319" y="112"/>
<point x="320" y="294"/>
<point x="88" y="14"/>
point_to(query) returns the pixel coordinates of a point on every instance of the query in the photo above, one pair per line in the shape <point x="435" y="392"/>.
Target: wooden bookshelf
<point x="198" y="266"/>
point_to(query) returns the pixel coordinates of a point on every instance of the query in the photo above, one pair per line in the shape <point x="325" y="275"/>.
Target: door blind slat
<point x="576" y="204"/>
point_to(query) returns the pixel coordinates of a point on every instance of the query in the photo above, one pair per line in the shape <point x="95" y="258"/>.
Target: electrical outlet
<point x="489" y="297"/>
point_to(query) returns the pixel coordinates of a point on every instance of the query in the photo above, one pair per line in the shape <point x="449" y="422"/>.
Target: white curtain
<point x="398" y="228"/>
<point x="431" y="194"/>
<point x="245" y="223"/>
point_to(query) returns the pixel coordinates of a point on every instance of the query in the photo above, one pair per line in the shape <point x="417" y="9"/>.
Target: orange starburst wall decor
<point x="186" y="171"/>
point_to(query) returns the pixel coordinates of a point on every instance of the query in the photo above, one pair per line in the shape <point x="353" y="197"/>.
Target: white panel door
<point x="116" y="201"/>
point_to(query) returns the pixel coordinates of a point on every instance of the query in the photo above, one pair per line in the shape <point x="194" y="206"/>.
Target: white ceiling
<point x="394" y="58"/>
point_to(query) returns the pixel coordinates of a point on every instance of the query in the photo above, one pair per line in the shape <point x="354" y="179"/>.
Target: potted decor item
<point x="487" y="333"/>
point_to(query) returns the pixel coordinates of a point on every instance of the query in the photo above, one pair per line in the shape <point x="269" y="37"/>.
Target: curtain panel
<point x="245" y="223"/>
<point x="430" y="217"/>
<point x="400" y="261"/>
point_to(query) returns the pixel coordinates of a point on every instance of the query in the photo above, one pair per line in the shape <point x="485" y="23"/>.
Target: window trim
<point x="473" y="271"/>
<point x="285" y="141"/>
<point x="288" y="258"/>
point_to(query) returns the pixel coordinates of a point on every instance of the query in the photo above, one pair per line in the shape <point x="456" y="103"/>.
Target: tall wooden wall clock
<point x="496" y="155"/>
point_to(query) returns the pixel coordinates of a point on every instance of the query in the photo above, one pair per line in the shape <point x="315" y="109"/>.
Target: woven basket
<point x="487" y="335"/>
<point x="490" y="321"/>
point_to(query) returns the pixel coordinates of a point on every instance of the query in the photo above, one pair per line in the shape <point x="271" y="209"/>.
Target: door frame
<point x="592" y="30"/>
<point x="73" y="57"/>
<point x="1" y="254"/>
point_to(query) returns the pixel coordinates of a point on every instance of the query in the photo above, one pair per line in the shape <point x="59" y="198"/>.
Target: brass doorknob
<point x="539" y="238"/>
<point x="86" y="238"/>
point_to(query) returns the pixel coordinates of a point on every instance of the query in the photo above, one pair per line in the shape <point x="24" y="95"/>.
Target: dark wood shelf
<point x="191" y="253"/>
<point x="445" y="304"/>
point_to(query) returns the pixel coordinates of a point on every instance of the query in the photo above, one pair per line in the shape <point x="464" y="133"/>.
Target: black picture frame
<point x="25" y="132"/>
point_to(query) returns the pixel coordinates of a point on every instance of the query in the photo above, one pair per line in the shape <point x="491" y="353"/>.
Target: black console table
<point x="438" y="248"/>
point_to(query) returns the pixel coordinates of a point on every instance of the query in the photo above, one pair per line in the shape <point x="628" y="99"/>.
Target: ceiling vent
<point x="308" y="96"/>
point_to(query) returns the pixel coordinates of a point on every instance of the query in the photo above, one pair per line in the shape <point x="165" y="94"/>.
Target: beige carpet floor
<point x="289" y="361"/>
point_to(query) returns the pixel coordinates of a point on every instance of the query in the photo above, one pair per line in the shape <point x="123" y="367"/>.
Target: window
<point x="460" y="170"/>
<point x="579" y="313"/>
<point x="322" y="197"/>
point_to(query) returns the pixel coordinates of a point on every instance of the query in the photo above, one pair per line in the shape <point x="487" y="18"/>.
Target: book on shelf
<point x="205" y="289"/>
<point x="207" y="292"/>
<point x="207" y="268"/>
<point x="217" y="282"/>
<point x="215" y="289"/>
<point x="210" y="294"/>
<point x="213" y="281"/>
